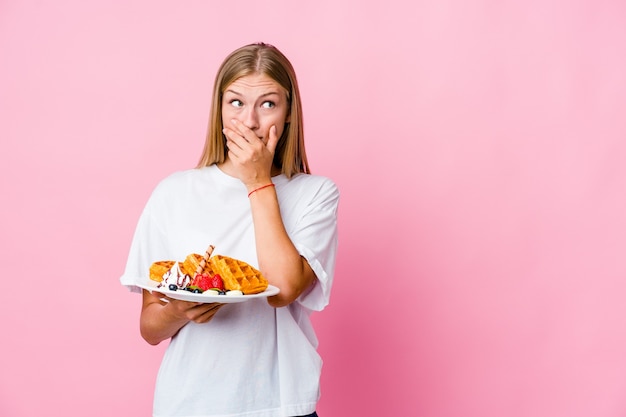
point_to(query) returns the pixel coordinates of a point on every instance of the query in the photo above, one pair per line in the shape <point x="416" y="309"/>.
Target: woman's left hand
<point x="251" y="156"/>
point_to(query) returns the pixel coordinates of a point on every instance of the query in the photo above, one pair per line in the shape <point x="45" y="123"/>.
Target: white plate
<point x="207" y="298"/>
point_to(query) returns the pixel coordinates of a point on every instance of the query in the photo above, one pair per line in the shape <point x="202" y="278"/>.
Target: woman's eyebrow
<point x="262" y="95"/>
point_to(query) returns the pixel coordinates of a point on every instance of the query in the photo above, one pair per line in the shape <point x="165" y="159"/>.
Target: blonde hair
<point x="259" y="58"/>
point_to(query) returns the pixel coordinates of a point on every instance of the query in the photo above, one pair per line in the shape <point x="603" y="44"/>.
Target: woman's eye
<point x="268" y="104"/>
<point x="236" y="103"/>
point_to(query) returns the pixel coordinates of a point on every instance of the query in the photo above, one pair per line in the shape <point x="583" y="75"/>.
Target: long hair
<point x="259" y="58"/>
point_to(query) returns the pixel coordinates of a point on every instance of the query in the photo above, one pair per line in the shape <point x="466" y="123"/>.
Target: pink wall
<point x="480" y="149"/>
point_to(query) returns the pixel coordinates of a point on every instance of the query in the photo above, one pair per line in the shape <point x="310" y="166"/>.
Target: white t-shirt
<point x="251" y="359"/>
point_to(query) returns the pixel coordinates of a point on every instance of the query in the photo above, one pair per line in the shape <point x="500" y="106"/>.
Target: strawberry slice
<point x="202" y="281"/>
<point x="216" y="282"/>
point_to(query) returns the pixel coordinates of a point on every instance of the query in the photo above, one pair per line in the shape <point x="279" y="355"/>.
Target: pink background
<point x="480" y="148"/>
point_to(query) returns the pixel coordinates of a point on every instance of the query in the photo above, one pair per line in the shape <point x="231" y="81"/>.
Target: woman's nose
<point x="251" y="119"/>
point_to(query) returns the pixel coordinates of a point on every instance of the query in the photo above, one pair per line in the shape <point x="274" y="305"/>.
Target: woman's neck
<point x="227" y="168"/>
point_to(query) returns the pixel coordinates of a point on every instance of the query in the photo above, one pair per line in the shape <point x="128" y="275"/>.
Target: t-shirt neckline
<point x="277" y="179"/>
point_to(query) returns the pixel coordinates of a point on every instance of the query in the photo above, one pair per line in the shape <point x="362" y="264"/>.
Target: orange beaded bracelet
<point x="260" y="188"/>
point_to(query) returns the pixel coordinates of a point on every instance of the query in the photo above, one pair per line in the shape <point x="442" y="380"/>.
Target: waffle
<point x="159" y="268"/>
<point x="196" y="264"/>
<point x="191" y="263"/>
<point x="238" y="275"/>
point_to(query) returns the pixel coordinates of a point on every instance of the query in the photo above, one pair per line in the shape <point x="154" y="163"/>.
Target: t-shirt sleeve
<point x="316" y="239"/>
<point x="147" y="246"/>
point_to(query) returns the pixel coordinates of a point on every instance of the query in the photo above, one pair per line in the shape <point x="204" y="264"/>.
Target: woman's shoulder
<point x="314" y="185"/>
<point x="177" y="183"/>
<point x="313" y="179"/>
<point x="175" y="179"/>
<point x="178" y="179"/>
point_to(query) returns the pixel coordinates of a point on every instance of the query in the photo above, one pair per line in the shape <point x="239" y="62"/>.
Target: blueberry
<point x="173" y="287"/>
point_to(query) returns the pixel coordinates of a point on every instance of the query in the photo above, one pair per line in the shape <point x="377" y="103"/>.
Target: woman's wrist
<point x="252" y="190"/>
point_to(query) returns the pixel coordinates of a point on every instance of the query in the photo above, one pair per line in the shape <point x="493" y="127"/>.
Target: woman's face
<point x="258" y="102"/>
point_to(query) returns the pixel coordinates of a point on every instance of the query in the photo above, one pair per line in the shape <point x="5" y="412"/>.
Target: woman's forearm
<point x="157" y="323"/>
<point x="279" y="260"/>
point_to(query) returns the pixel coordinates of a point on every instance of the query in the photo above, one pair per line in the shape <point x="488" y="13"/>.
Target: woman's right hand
<point x="196" y="312"/>
<point x="161" y="319"/>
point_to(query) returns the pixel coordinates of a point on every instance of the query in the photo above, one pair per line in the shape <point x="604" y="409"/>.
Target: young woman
<point x="253" y="197"/>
